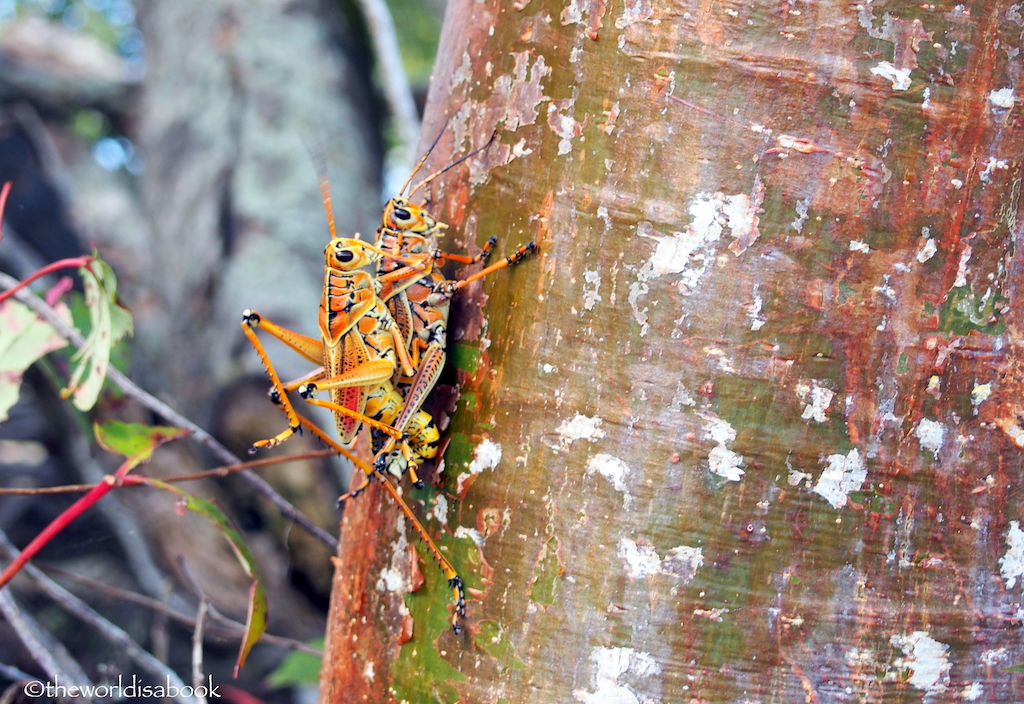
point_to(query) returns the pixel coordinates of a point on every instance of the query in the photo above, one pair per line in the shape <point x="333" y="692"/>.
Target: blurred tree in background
<point x="183" y="141"/>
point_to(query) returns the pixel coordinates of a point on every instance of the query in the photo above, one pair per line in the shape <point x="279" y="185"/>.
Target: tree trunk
<point x="749" y="428"/>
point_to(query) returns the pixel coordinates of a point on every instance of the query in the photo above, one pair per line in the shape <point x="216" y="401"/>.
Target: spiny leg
<point x="344" y="452"/>
<point x="451" y="287"/>
<point x="301" y="344"/>
<point x="455" y="582"/>
<point x="462" y="259"/>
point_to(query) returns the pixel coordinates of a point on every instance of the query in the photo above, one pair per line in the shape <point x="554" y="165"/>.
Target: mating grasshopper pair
<point x="381" y="348"/>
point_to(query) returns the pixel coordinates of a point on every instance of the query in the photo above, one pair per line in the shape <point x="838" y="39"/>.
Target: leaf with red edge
<point x="134" y="440"/>
<point x="25" y="338"/>
<point x="110" y="322"/>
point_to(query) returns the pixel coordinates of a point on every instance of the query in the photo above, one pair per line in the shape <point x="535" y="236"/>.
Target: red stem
<point x="56" y="526"/>
<point x="70" y="513"/>
<point x="3" y="205"/>
<point x="54" y="266"/>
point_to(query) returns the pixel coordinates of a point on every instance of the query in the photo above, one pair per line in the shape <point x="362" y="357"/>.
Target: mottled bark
<point x="749" y="428"/>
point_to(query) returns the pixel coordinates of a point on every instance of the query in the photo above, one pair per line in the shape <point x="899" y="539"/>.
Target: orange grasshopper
<point x="359" y="351"/>
<point x="419" y="297"/>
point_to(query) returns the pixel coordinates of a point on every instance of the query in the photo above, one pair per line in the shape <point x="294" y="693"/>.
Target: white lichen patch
<point x="858" y="246"/>
<point x="931" y="435"/>
<point x="634" y="11"/>
<point x="961" y="269"/>
<point x="394" y="577"/>
<point x="992" y="165"/>
<point x="683" y="562"/>
<point x="740" y="213"/>
<point x="611" y="664"/>
<point x="614" y="470"/>
<point x="979" y="394"/>
<point x="817" y="400"/>
<point x="721" y="460"/>
<point x="972" y="692"/>
<point x="1002" y="98"/>
<point x="591" y="288"/>
<point x="565" y="126"/>
<point x="994" y="656"/>
<point x="926" y="658"/>
<point x="753" y="309"/>
<point x="519" y="149"/>
<point x="643" y="561"/>
<point x="486" y="455"/>
<point x="1011" y="565"/>
<point x="579" y="427"/>
<point x="900" y="78"/>
<point x="926" y="249"/>
<point x="440" y="510"/>
<point x="571" y="13"/>
<point x="842" y="474"/>
<point x="464" y="533"/>
<point x="681" y="397"/>
<point x="801" y="211"/>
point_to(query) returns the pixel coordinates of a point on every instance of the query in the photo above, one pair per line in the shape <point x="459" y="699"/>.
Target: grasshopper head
<point x="401" y="214"/>
<point x="349" y="254"/>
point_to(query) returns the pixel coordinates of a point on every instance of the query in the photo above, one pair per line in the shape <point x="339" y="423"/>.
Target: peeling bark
<point x="749" y="427"/>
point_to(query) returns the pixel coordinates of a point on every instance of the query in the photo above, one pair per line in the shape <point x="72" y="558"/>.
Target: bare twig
<point x="218" y="472"/>
<point x="108" y="630"/>
<point x="172" y="416"/>
<point x="197" y="650"/>
<point x="229" y="628"/>
<point x="13" y="673"/>
<point x="44" y="649"/>
<point x="395" y="83"/>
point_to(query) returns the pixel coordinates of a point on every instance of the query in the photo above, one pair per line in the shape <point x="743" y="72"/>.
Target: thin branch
<point x="44" y="649"/>
<point x="229" y="628"/>
<point x="13" y="673"/>
<point x="395" y="83"/>
<point x="216" y="472"/>
<point x="197" y="649"/>
<point x="172" y="416"/>
<point x="108" y="630"/>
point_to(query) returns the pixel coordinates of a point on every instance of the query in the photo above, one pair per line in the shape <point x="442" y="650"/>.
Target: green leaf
<point x="256" y="621"/>
<point x="24" y="338"/>
<point x="1014" y="668"/>
<point x="134" y="440"/>
<point x="110" y="322"/>
<point x="297" y="669"/>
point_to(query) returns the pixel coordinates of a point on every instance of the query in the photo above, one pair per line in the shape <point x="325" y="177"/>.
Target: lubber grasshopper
<point x="419" y="297"/>
<point x="359" y="351"/>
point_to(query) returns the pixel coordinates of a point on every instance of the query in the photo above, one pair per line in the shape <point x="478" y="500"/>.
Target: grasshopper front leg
<point x="308" y="347"/>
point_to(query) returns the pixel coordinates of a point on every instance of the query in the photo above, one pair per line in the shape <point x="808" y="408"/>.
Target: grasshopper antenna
<point x="318" y="155"/>
<point x="447" y="117"/>
<point x="431" y="177"/>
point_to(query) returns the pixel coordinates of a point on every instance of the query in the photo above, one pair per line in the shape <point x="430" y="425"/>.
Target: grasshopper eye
<point x="345" y="256"/>
<point x="402" y="214"/>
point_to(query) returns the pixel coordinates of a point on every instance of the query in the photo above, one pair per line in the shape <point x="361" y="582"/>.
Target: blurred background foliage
<point x="87" y="145"/>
